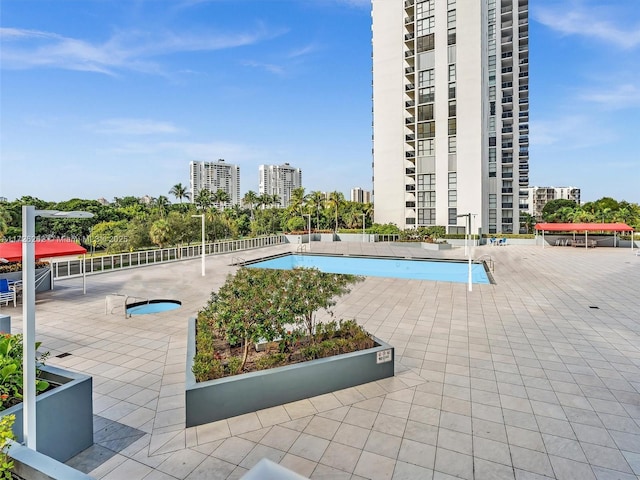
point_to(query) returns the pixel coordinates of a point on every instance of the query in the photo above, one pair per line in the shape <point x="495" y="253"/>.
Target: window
<point x="451" y="36"/>
<point x="492" y="155"/>
<point x="427" y="95"/>
<point x="452" y="90"/>
<point x="492" y="141"/>
<point x="453" y="198"/>
<point x="427" y="182"/>
<point x="453" y="180"/>
<point x="452" y="108"/>
<point x="427" y="199"/>
<point x="426" y="78"/>
<point x="492" y="124"/>
<point x="492" y="62"/>
<point x="426" y="130"/>
<point x="452" y="72"/>
<point x="426" y="148"/>
<point x="424" y="9"/>
<point x="452" y="126"/>
<point x="492" y="169"/>
<point x="425" y="112"/>
<point x="453" y="216"/>
<point x="492" y="94"/>
<point x="425" y="26"/>
<point x="451" y="4"/>
<point x="493" y="200"/>
<point x="427" y="216"/>
<point x="426" y="43"/>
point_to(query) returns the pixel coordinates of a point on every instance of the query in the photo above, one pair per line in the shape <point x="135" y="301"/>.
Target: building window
<point x="425" y="112"/>
<point x="425" y="26"/>
<point x="453" y="216"/>
<point x="451" y="18"/>
<point x="493" y="200"/>
<point x="427" y="199"/>
<point x="453" y="145"/>
<point x="492" y="141"/>
<point x="453" y="180"/>
<point x="426" y="78"/>
<point x="426" y="130"/>
<point x="451" y="36"/>
<point x="452" y="72"/>
<point x="426" y="148"/>
<point x="427" y="182"/>
<point x="451" y="4"/>
<point x="452" y="90"/>
<point x="453" y="198"/>
<point x="424" y="9"/>
<point x="426" y="43"/>
<point x="492" y="155"/>
<point x="492" y="169"/>
<point x="452" y="126"/>
<point x="452" y="108"/>
<point x="427" y="95"/>
<point x="427" y="216"/>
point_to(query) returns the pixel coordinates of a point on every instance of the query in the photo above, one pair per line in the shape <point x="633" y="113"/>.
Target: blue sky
<point x="102" y="98"/>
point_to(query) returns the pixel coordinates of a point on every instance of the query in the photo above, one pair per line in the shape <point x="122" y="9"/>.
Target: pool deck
<point x="537" y="376"/>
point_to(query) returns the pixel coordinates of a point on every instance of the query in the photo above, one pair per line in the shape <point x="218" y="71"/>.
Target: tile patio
<point x="524" y="379"/>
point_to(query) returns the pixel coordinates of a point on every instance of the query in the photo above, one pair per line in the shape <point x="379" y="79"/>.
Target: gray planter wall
<point x="64" y="415"/>
<point x="230" y="396"/>
<point x="43" y="278"/>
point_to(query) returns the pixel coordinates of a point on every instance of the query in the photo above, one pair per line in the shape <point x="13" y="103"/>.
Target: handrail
<point x="486" y="258"/>
<point x="237" y="260"/>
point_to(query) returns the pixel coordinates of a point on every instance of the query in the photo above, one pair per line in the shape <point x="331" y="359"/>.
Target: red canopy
<point x="584" y="227"/>
<point x="12" y="251"/>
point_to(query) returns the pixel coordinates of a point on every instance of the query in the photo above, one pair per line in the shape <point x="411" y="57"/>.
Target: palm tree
<point x="336" y="200"/>
<point x="315" y="201"/>
<point x="162" y="205"/>
<point x="296" y="202"/>
<point x="251" y="199"/>
<point x="5" y="219"/>
<point x="220" y="198"/>
<point x="203" y="199"/>
<point x="179" y="191"/>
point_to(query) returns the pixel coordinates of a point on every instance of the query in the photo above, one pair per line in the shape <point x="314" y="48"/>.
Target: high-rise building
<point x="451" y="112"/>
<point x="216" y="176"/>
<point x="279" y="180"/>
<point x="360" y="196"/>
<point x="538" y="197"/>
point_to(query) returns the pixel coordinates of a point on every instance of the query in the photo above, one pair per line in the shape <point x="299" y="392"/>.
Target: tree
<point x="204" y="199"/>
<point x="160" y="232"/>
<point x="315" y="201"/>
<point x="527" y="222"/>
<point x="251" y="199"/>
<point x="5" y="220"/>
<point x="162" y="204"/>
<point x="179" y="191"/>
<point x="220" y="197"/>
<point x="550" y="209"/>
<point x="296" y="202"/>
<point x="336" y="200"/>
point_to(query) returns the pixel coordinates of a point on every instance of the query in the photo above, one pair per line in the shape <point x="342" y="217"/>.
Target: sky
<point x="103" y="98"/>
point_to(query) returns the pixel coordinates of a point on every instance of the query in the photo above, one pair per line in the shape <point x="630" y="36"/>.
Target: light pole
<point x="309" y="230"/>
<point x="364" y="216"/>
<point x="29" y="214"/>
<point x="467" y="233"/>
<point x="203" y="245"/>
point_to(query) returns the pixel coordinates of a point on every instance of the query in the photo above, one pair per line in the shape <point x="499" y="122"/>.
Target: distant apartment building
<point x="279" y="180"/>
<point x="216" y="176"/>
<point x="360" y="196"/>
<point x="538" y="197"/>
<point x="451" y="112"/>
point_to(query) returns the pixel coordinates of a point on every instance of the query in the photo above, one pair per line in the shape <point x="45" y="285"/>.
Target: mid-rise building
<point x="538" y="197"/>
<point x="279" y="180"/>
<point x="451" y="113"/>
<point x="360" y="196"/>
<point x="216" y="176"/>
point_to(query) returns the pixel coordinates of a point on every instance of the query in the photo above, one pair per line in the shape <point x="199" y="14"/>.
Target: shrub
<point x="271" y="360"/>
<point x="296" y="224"/>
<point x="6" y="435"/>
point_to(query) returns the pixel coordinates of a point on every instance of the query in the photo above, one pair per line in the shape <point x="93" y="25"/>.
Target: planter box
<point x="64" y="414"/>
<point x="436" y="246"/>
<point x="43" y="278"/>
<point x="230" y="396"/>
<point x="327" y="237"/>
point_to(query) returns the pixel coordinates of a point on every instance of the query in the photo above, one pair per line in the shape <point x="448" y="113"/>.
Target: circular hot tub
<point x="152" y="306"/>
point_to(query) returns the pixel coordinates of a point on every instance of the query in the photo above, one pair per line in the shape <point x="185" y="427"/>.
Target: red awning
<point x="12" y="251"/>
<point x="584" y="227"/>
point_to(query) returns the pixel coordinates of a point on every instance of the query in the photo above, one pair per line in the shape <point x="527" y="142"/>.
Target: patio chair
<point x="6" y="294"/>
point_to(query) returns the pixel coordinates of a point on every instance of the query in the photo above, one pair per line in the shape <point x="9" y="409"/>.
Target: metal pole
<point x="29" y="325"/>
<point x="203" y="246"/>
<point x="470" y="279"/>
<point x="364" y="216"/>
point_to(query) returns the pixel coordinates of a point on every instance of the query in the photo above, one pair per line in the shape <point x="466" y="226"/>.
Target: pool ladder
<point x="487" y="260"/>
<point x="237" y="260"/>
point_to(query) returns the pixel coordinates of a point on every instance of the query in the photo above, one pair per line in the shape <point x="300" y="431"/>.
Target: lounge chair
<point x="6" y="294"/>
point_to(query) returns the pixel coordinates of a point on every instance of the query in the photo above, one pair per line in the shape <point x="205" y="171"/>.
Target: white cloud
<point x="591" y="22"/>
<point x="131" y="50"/>
<point x="570" y="132"/>
<point x="269" y="67"/>
<point x="619" y="97"/>
<point x="134" y="126"/>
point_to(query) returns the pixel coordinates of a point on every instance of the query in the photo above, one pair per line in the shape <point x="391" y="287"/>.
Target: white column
<point x="29" y="325"/>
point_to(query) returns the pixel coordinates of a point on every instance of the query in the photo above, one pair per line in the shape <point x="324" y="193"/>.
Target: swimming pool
<point x="415" y="269"/>
<point x="152" y="306"/>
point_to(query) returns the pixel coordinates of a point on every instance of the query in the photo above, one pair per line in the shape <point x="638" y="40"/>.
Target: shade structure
<point x="583" y="227"/>
<point x="12" y="251"/>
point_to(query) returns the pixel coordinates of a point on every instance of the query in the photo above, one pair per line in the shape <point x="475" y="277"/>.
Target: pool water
<point x="435" y="270"/>
<point x="153" y="306"/>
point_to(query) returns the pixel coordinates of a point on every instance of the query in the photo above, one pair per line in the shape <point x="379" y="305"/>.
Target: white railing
<point x="73" y="268"/>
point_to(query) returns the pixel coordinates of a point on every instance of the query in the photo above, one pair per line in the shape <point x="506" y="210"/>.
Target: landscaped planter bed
<point x="227" y="397"/>
<point x="64" y="415"/>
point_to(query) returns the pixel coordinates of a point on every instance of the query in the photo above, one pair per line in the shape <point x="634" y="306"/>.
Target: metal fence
<point x="73" y="268"/>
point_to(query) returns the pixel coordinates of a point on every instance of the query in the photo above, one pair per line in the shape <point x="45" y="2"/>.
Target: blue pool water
<point x="445" y="271"/>
<point x="153" y="306"/>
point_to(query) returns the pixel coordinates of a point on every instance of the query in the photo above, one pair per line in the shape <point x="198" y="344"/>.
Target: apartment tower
<point x="451" y="113"/>
<point x="279" y="180"/>
<point x="216" y="176"/>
